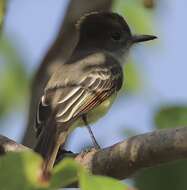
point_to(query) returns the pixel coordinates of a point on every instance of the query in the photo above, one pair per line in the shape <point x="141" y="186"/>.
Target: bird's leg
<point x="96" y="145"/>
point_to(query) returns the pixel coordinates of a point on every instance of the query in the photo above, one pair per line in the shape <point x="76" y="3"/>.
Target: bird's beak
<point x="142" y="38"/>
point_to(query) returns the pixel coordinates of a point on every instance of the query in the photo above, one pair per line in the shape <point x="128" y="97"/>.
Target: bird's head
<point x="107" y="31"/>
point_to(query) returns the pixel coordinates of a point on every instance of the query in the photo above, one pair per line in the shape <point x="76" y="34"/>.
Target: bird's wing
<point x="77" y="98"/>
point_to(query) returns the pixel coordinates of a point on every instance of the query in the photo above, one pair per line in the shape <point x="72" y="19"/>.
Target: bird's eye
<point x="116" y="36"/>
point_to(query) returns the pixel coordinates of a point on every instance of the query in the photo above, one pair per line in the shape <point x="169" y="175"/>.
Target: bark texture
<point x="125" y="158"/>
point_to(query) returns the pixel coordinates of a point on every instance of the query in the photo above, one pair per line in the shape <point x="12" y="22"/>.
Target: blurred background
<point x="153" y="96"/>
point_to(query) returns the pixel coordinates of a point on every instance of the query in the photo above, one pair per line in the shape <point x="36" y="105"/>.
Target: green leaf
<point x="19" y="171"/>
<point x="139" y="18"/>
<point x="68" y="172"/>
<point x="170" y="176"/>
<point x="13" y="76"/>
<point x="22" y="170"/>
<point x="171" y="116"/>
<point x="91" y="182"/>
<point x="2" y="11"/>
<point x="64" y="174"/>
<point x="132" y="77"/>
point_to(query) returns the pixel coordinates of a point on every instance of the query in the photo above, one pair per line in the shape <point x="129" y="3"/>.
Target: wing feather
<point x="94" y="94"/>
<point x="76" y="98"/>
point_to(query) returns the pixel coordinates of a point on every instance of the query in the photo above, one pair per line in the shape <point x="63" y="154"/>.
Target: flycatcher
<point x="83" y="88"/>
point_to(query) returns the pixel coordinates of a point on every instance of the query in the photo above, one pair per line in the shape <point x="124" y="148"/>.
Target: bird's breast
<point x="96" y="113"/>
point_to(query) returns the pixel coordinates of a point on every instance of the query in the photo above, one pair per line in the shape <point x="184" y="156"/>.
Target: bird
<point x="83" y="88"/>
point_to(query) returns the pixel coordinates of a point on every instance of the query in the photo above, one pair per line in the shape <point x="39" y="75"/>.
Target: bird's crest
<point x="83" y="17"/>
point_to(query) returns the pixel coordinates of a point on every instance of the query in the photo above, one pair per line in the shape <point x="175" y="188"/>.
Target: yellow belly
<point x="96" y="113"/>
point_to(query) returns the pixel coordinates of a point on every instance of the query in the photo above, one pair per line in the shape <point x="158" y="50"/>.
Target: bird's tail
<point x="48" y="145"/>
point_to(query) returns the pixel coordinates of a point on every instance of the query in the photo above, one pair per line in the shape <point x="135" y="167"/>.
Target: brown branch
<point x="124" y="159"/>
<point x="8" y="145"/>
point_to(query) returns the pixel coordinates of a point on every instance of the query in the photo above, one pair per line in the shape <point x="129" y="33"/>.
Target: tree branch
<point x="142" y="151"/>
<point x="8" y="145"/>
<point x="125" y="158"/>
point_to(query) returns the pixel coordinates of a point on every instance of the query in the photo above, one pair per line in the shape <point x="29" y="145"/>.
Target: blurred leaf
<point x="19" y="171"/>
<point x="90" y="182"/>
<point x="129" y="132"/>
<point x="65" y="173"/>
<point x="139" y="18"/>
<point x="2" y="11"/>
<point x="132" y="79"/>
<point x="150" y="4"/>
<point x="22" y="170"/>
<point x="13" y="77"/>
<point x="171" y="116"/>
<point x="170" y="176"/>
<point x="68" y="172"/>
